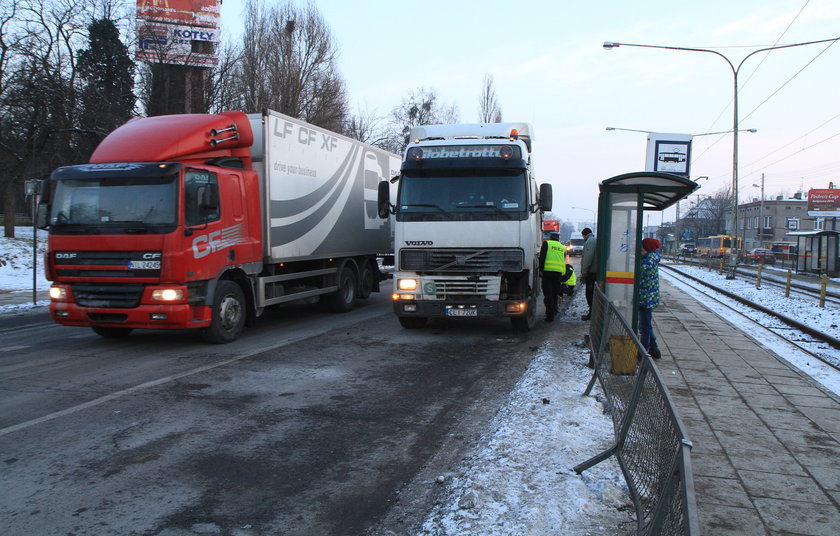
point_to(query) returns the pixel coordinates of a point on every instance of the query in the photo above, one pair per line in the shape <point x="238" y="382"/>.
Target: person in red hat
<point x="649" y="295"/>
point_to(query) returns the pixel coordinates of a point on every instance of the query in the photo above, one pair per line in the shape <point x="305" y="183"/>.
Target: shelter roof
<point x="659" y="190"/>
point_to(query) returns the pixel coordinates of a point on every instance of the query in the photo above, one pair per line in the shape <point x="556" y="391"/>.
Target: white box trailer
<point x="319" y="191"/>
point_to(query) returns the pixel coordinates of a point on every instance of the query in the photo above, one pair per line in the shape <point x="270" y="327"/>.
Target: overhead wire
<point x="748" y="80"/>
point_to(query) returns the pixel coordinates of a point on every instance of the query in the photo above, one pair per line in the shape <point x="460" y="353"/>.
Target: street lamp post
<point x="735" y="70"/>
<point x="594" y="215"/>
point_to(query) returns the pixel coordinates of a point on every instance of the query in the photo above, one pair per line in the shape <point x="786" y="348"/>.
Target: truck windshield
<point x="115" y="205"/>
<point x="468" y="195"/>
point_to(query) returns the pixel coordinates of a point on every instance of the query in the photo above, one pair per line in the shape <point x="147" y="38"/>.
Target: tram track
<point x="778" y="279"/>
<point x="783" y="332"/>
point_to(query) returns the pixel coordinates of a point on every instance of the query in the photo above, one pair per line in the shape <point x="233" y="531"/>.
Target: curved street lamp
<point x="735" y="70"/>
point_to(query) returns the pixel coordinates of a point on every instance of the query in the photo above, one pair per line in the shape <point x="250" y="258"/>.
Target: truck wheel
<point x="412" y="322"/>
<point x="526" y="322"/>
<point x="366" y="281"/>
<point x="345" y="297"/>
<point x="112" y="333"/>
<point x="228" y="314"/>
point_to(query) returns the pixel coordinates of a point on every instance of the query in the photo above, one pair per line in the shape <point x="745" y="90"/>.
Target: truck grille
<point x="462" y="260"/>
<point x="442" y="288"/>
<point x="106" y="264"/>
<point x="110" y="296"/>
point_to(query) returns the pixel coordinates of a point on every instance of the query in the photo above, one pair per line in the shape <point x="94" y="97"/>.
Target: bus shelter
<point x="816" y="251"/>
<point x="622" y="203"/>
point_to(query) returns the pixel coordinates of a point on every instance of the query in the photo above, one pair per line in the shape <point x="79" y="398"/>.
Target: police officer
<point x="553" y="273"/>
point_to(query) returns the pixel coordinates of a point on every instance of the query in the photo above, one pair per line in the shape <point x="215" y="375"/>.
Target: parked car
<point x="687" y="250"/>
<point x="760" y="256"/>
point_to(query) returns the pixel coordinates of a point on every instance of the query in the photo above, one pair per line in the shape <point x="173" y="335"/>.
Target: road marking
<point x="305" y="334"/>
<point x="13" y="348"/>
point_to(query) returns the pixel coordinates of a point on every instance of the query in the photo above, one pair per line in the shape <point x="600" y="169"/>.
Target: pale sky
<point x="551" y="70"/>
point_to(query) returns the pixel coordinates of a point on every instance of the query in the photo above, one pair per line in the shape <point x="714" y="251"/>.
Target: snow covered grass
<point x="16" y="261"/>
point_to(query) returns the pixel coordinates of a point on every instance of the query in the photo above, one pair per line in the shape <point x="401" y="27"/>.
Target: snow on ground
<point x="16" y="261"/>
<point x="519" y="479"/>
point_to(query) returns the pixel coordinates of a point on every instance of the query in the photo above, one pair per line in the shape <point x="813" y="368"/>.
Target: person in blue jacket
<point x="649" y="295"/>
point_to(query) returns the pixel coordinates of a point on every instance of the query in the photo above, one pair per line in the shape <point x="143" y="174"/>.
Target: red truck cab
<point x="155" y="230"/>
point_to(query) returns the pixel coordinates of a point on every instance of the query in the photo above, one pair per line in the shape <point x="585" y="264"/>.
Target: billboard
<point x="823" y="203"/>
<point x="669" y="153"/>
<point x="194" y="46"/>
<point x="203" y="13"/>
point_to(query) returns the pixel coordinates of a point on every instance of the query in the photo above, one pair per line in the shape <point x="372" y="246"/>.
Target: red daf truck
<point x="204" y="220"/>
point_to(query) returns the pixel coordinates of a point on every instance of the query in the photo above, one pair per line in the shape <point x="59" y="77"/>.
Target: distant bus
<point x="716" y="246"/>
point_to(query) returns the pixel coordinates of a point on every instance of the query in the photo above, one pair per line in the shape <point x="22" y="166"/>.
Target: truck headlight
<point x="58" y="293"/>
<point x="168" y="294"/>
<point x="407" y="284"/>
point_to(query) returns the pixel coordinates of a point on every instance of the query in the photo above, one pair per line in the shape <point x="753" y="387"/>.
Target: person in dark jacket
<point x="649" y="295"/>
<point x="589" y="268"/>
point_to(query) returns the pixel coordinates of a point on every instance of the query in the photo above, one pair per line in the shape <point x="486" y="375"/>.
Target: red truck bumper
<point x="173" y="316"/>
<point x="149" y="313"/>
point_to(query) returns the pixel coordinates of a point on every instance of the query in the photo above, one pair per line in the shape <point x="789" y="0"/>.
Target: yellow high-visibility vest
<point x="555" y="257"/>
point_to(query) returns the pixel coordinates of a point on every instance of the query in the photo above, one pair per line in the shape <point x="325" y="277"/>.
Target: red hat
<point x="651" y="244"/>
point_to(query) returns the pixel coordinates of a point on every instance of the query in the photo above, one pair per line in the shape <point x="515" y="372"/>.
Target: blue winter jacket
<point x="649" y="281"/>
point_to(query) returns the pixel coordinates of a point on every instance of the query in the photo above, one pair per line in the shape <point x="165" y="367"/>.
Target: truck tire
<point x="526" y="322"/>
<point x="344" y="299"/>
<point x="228" y="314"/>
<point x="366" y="281"/>
<point x="112" y="333"/>
<point x="412" y="322"/>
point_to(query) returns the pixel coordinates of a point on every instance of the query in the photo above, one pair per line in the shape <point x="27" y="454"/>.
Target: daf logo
<point x="65" y="255"/>
<point x="419" y="243"/>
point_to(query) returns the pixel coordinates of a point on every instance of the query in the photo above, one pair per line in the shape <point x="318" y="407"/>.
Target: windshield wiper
<point x="494" y="207"/>
<point x="133" y="226"/>
<point x="431" y="205"/>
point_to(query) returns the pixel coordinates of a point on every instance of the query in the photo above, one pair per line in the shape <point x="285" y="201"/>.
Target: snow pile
<point x="520" y="481"/>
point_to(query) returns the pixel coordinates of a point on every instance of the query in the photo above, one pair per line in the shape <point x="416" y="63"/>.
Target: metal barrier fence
<point x="650" y="441"/>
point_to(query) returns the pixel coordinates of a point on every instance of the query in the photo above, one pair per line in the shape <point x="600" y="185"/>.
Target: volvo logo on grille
<point x="419" y="243"/>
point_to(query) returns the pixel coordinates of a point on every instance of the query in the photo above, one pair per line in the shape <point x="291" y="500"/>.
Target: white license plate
<point x="144" y="265"/>
<point x="462" y="312"/>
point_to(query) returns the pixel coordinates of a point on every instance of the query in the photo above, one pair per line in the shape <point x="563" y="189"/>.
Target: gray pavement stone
<point x="766" y="437"/>
<point x="799" y="517"/>
<point x="779" y="486"/>
<point x="719" y="520"/>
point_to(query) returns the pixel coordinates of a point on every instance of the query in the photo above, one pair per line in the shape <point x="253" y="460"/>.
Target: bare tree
<point x="366" y="127"/>
<point x="289" y="64"/>
<point x="707" y="216"/>
<point x="422" y="107"/>
<point x="489" y="110"/>
<point x="38" y="103"/>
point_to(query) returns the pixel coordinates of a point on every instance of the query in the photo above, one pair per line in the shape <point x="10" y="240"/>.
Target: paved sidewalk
<point x="766" y="455"/>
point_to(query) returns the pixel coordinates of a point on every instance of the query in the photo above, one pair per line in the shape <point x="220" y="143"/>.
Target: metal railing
<point x="650" y="441"/>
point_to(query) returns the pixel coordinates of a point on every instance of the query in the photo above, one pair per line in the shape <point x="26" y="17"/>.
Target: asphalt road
<point x="311" y="423"/>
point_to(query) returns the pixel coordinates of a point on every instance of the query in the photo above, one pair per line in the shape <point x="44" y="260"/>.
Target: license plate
<point x="461" y="312"/>
<point x="144" y="265"/>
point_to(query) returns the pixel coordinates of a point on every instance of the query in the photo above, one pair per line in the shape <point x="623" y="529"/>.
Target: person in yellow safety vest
<point x="553" y="273"/>
<point x="568" y="288"/>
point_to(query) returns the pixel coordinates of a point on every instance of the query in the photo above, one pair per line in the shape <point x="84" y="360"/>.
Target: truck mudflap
<point x="171" y="316"/>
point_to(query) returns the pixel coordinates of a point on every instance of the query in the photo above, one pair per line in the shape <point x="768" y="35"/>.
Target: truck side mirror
<point x="546" y="197"/>
<point x="383" y="199"/>
<point x="41" y="216"/>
